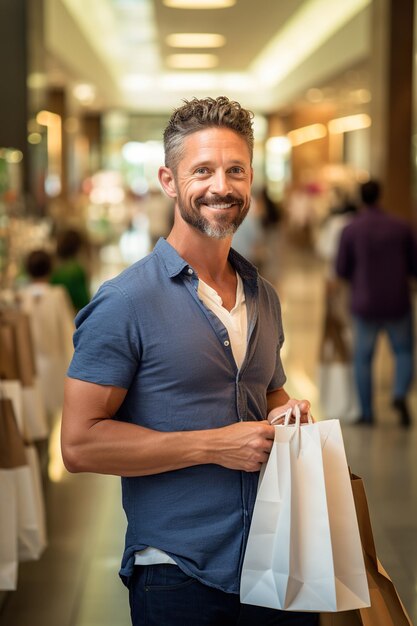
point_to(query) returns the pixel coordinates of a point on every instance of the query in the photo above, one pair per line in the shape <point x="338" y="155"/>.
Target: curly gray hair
<point x="199" y="114"/>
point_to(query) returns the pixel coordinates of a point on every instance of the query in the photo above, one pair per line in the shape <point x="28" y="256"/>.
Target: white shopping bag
<point x="304" y="551"/>
<point x="8" y="530"/>
<point x="30" y="509"/>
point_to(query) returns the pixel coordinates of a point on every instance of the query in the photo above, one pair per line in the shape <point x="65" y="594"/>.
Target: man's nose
<point x="219" y="183"/>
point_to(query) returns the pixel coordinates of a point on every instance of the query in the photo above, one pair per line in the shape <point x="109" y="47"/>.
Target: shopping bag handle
<point x="292" y="410"/>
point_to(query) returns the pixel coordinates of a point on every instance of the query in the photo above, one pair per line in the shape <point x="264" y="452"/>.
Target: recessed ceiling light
<point x="84" y="92"/>
<point x="195" y="40"/>
<point x="349" y="123"/>
<point x="307" y="133"/>
<point x="199" y="4"/>
<point x="192" y="61"/>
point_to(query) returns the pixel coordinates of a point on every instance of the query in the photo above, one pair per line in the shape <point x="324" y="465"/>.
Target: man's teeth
<point x="220" y="206"/>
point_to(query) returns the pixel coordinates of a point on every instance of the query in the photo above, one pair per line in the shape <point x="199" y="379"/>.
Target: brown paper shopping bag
<point x="22" y="344"/>
<point x="8" y="360"/>
<point x="12" y="448"/>
<point x="386" y="607"/>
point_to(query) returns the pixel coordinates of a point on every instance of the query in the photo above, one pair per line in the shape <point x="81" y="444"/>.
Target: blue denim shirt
<point x="148" y="332"/>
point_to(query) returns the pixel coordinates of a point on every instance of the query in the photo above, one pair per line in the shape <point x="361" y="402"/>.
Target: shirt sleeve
<point x="279" y="378"/>
<point x="106" y="340"/>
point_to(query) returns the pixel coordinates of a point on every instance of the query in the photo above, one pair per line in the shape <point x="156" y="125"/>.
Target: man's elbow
<point x="72" y="458"/>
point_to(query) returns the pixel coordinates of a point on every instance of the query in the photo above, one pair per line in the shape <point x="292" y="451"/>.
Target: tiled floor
<point x="75" y="583"/>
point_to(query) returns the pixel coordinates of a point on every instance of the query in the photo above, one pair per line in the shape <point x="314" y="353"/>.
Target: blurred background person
<point x="69" y="270"/>
<point x="342" y="210"/>
<point x="51" y="318"/>
<point x="378" y="256"/>
<point x="337" y="389"/>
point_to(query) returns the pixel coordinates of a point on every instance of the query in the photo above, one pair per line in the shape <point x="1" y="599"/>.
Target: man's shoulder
<point x="137" y="274"/>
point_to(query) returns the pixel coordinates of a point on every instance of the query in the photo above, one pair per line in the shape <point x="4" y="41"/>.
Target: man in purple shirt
<point x="378" y="256"/>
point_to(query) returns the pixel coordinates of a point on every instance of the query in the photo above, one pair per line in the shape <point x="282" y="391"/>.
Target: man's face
<point x="213" y="181"/>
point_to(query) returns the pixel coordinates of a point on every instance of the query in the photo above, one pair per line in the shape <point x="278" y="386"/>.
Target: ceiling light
<point x="46" y="118"/>
<point x="303" y="33"/>
<point x="349" y="123"/>
<point x="278" y="145"/>
<point x="192" y="61"/>
<point x="199" y="4"/>
<point x="84" y="92"/>
<point x="307" y="133"/>
<point x="195" y="40"/>
<point x="37" y="80"/>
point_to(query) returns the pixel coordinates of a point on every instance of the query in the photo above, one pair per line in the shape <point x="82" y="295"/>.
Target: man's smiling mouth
<point x="220" y="204"/>
<point x="220" y="207"/>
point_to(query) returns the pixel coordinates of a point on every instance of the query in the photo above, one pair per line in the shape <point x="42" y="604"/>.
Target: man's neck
<point x="208" y="256"/>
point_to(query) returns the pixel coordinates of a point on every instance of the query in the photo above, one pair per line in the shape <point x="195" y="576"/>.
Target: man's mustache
<point x="229" y="199"/>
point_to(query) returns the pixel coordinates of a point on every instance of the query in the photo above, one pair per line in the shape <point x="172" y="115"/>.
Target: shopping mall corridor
<point x="76" y="584"/>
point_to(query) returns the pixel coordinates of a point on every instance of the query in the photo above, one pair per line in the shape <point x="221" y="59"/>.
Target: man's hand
<point x="243" y="446"/>
<point x="304" y="406"/>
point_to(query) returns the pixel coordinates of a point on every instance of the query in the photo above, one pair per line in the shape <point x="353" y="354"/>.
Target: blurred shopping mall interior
<point x="87" y="89"/>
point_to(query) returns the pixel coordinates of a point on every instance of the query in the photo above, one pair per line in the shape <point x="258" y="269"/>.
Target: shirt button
<point x="190" y="271"/>
<point x="226" y="343"/>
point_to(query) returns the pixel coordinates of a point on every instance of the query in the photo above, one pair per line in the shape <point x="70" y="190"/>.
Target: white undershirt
<point x="236" y="324"/>
<point x="235" y="321"/>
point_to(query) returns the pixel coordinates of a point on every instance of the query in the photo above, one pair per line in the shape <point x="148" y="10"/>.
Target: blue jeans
<point x="400" y="335"/>
<point x="162" y="595"/>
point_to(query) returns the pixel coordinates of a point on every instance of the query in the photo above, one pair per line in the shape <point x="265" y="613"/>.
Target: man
<point x="378" y="256"/>
<point x="176" y="366"/>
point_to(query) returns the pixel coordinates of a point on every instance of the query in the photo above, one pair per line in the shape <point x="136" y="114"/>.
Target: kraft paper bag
<point x="30" y="509"/>
<point x="12" y="448"/>
<point x="22" y="347"/>
<point x="304" y="551"/>
<point x="8" y="531"/>
<point x="386" y="607"/>
<point x="12" y="389"/>
<point x="8" y="359"/>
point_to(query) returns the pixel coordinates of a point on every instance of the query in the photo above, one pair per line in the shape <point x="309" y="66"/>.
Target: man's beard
<point x="223" y="226"/>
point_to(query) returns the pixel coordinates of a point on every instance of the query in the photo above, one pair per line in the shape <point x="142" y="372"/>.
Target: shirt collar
<point x="175" y="264"/>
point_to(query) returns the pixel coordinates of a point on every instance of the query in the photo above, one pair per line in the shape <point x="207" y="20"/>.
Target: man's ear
<point x="167" y="180"/>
